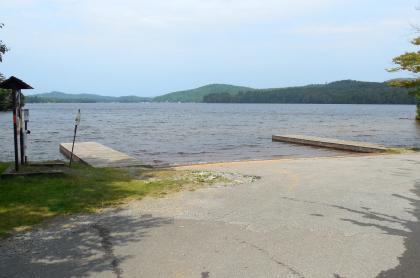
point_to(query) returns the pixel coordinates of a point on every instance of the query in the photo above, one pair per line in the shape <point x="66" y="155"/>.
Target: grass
<point x="395" y="150"/>
<point x="26" y="201"/>
<point x="401" y="150"/>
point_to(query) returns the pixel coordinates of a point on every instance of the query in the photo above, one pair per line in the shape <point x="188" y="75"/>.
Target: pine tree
<point x="409" y="61"/>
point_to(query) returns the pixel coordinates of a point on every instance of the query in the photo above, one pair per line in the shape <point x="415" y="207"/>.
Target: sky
<point x="153" y="47"/>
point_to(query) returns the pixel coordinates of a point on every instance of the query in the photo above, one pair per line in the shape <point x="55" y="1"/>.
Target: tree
<point x="4" y="94"/>
<point x="3" y="47"/>
<point x="409" y="61"/>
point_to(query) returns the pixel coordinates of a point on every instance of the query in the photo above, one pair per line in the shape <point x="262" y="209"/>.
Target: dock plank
<point x="98" y="155"/>
<point x="345" y="145"/>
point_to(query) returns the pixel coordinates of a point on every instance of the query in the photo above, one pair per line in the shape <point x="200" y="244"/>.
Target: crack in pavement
<point x="272" y="258"/>
<point x="106" y="244"/>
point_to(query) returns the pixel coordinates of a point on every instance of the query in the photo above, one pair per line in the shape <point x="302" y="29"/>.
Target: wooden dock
<point x="352" y="146"/>
<point x="98" y="155"/>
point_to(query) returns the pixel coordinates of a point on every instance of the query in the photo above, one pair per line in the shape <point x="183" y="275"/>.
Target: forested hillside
<point x="197" y="95"/>
<point x="59" y="97"/>
<point x="340" y="92"/>
<point x="5" y="101"/>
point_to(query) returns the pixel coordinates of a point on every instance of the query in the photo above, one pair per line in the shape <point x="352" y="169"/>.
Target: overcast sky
<point x="151" y="47"/>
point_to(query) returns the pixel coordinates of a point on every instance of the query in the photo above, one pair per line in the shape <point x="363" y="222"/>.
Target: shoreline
<point x="286" y="158"/>
<point x="241" y="161"/>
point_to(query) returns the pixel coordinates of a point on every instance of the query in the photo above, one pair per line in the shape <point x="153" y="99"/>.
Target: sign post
<point x="76" y="123"/>
<point x="26" y="132"/>
<point x="15" y="85"/>
<point x="21" y="135"/>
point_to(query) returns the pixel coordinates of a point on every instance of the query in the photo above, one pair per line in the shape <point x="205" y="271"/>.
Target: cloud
<point x="355" y="28"/>
<point x="95" y="25"/>
<point x="166" y="13"/>
<point x="183" y="41"/>
<point x="196" y="11"/>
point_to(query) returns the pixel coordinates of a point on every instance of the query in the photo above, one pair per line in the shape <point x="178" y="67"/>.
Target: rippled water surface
<point x="160" y="133"/>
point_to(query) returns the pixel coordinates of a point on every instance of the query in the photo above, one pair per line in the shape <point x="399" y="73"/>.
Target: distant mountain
<point x="59" y="97"/>
<point x="339" y="92"/>
<point x="197" y="95"/>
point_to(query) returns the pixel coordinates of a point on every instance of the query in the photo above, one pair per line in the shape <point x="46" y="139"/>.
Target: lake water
<point x="160" y="133"/>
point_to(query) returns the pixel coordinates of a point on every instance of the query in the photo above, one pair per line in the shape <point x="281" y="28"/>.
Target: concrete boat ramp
<point x="345" y="145"/>
<point x="98" y="155"/>
<point x="354" y="216"/>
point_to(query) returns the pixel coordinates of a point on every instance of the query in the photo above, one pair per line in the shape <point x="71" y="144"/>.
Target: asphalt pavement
<point x="315" y="217"/>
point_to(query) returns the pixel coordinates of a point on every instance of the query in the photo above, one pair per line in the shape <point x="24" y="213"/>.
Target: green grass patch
<point x="395" y="150"/>
<point x="25" y="201"/>
<point x="402" y="150"/>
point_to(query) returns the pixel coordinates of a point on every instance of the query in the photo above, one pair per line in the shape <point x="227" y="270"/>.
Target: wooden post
<point x="72" y="147"/>
<point x="21" y="141"/>
<point x="15" y="130"/>
<point x="76" y="123"/>
<point x="26" y="132"/>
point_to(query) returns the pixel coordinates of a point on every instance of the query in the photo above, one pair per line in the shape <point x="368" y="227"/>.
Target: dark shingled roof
<point x="14" y="83"/>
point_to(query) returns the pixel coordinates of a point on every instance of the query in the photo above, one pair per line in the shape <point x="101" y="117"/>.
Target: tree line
<point x="340" y="92"/>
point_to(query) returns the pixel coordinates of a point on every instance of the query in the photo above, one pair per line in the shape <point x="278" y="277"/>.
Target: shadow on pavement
<point x="75" y="252"/>
<point x="409" y="262"/>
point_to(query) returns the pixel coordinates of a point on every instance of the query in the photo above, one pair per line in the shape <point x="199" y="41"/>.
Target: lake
<point x="172" y="133"/>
